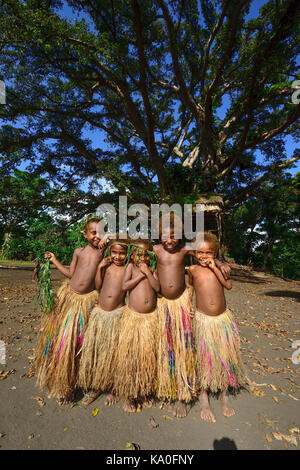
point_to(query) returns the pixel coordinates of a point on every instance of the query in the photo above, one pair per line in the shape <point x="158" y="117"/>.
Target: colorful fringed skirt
<point x="176" y="350"/>
<point x="136" y="359"/>
<point x="219" y="360"/>
<point x="60" y="341"/>
<point x="97" y="368"/>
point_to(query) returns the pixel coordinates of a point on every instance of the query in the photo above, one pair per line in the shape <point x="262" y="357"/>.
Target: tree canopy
<point x="153" y="77"/>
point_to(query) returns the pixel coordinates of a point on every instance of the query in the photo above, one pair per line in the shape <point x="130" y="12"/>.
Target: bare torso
<point x="210" y="298"/>
<point x="142" y="298"/>
<point x="171" y="271"/>
<point x="83" y="278"/>
<point x="111" y="294"/>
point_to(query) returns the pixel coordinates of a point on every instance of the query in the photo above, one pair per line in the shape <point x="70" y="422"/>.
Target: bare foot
<point x="67" y="399"/>
<point x="179" y="409"/>
<point x="111" y="399"/>
<point x="206" y="414"/>
<point x="148" y="403"/>
<point x="227" y="411"/>
<point x="90" y="396"/>
<point x="129" y="406"/>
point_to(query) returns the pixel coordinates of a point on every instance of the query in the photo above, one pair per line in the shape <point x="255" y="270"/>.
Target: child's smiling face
<point x="91" y="234"/>
<point x="141" y="256"/>
<point x="204" y="252"/>
<point x="168" y="241"/>
<point x="118" y="254"/>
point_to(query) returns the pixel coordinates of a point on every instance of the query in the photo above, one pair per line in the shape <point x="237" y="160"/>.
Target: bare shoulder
<point x="193" y="269"/>
<point x="156" y="248"/>
<point x="128" y="268"/>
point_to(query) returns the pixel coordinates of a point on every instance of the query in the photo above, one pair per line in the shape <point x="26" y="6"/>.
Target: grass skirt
<point x="176" y="350"/>
<point x="100" y="345"/>
<point x="218" y="352"/>
<point x="60" y="341"/>
<point x="136" y="360"/>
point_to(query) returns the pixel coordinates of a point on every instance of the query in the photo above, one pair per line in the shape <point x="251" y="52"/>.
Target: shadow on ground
<point x="284" y="293"/>
<point x="224" y="444"/>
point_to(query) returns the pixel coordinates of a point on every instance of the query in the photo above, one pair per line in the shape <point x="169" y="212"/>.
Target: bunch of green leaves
<point x="45" y="293"/>
<point x="139" y="251"/>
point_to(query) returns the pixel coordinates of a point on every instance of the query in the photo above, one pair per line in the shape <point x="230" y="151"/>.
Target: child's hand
<point x="50" y="255"/>
<point x="225" y="270"/>
<point x="105" y="262"/>
<point x="144" y="268"/>
<point x="102" y="245"/>
<point x="211" y="263"/>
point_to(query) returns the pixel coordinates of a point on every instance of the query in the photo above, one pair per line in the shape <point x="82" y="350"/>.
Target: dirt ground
<point x="267" y="414"/>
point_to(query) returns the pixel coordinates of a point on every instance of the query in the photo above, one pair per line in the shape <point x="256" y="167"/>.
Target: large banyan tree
<point x="184" y="97"/>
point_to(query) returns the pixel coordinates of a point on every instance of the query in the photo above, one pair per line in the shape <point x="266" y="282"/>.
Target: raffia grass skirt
<point x="60" y="341"/>
<point x="219" y="360"/>
<point x="97" y="368"/>
<point x="136" y="359"/>
<point x="176" y="350"/>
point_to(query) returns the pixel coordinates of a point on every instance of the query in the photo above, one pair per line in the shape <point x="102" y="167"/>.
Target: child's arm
<point x="224" y="268"/>
<point x="191" y="291"/>
<point x="103" y="242"/>
<point x="65" y="271"/>
<point x="129" y="283"/>
<point x="152" y="278"/>
<point x="225" y="282"/>
<point x="101" y="272"/>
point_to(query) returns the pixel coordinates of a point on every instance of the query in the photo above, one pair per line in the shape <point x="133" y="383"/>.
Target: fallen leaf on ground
<point x="297" y="430"/>
<point x="279" y="436"/>
<point x="275" y="399"/>
<point x="40" y="401"/>
<point x="4" y="374"/>
<point x="269" y="438"/>
<point x="166" y="417"/>
<point x="2" y="434"/>
<point x="138" y="408"/>
<point x="132" y="446"/>
<point x="95" y="411"/>
<point x="294" y="398"/>
<point x="271" y="422"/>
<point x="273" y="387"/>
<point x="31" y="436"/>
<point x="66" y="428"/>
<point x="258" y="393"/>
<point x="152" y="422"/>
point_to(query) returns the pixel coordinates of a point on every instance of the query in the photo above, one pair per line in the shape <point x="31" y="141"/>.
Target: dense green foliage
<point x="264" y="231"/>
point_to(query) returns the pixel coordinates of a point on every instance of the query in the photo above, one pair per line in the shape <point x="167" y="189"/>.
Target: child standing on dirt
<point x="219" y="365"/>
<point x="60" y="340"/>
<point x="99" y="350"/>
<point x="136" y="370"/>
<point x="176" y="349"/>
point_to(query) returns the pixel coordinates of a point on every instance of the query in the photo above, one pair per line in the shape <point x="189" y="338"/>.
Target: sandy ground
<point x="267" y="416"/>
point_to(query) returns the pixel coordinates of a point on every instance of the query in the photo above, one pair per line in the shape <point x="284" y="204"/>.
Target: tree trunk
<point x="7" y="237"/>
